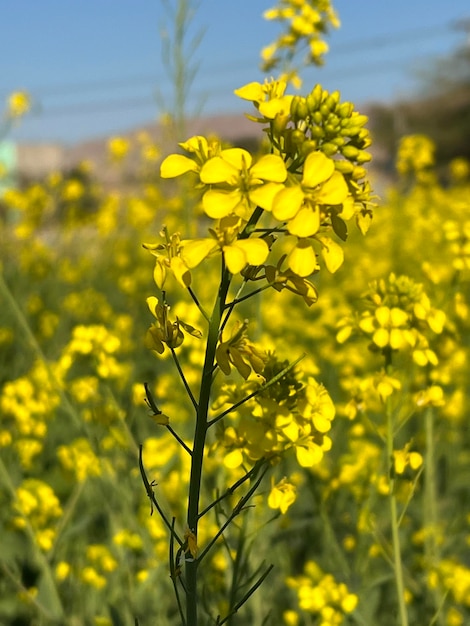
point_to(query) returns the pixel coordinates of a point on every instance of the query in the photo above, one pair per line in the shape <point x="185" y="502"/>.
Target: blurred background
<point x="99" y="69"/>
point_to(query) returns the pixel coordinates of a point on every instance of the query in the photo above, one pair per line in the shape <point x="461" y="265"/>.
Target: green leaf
<point x="339" y="226"/>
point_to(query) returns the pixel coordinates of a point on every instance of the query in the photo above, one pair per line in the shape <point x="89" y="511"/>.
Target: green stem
<point x="430" y="504"/>
<point x="397" y="562"/>
<point x="200" y="441"/>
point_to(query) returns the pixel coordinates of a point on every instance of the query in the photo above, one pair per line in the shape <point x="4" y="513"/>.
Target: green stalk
<point x="430" y="504"/>
<point x="200" y="441"/>
<point x="397" y="562"/>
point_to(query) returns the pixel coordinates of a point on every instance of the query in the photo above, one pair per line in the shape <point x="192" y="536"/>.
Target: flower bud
<point x="358" y="173"/>
<point x="345" y="110"/>
<point x="317" y="132"/>
<point x="297" y="137"/>
<point x="314" y="98"/>
<point x="363" y="156"/>
<point x="307" y="147"/>
<point x="329" y="148"/>
<point x="350" y="152"/>
<point x="344" y="167"/>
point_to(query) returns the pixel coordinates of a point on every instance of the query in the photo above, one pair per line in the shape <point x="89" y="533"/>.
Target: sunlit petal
<point x="287" y="203"/>
<point x="219" y="203"/>
<point x="306" y="223"/>
<point x="217" y="170"/>
<point x="333" y="191"/>
<point x="177" y="164"/>
<point x="302" y="259"/>
<point x="197" y="250"/>
<point x="270" y="167"/>
<point x="317" y="169"/>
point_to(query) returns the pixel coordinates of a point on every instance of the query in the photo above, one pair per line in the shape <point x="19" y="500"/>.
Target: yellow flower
<point x="299" y="205"/>
<point x="19" y="103"/>
<point x="388" y="326"/>
<point x="268" y="98"/>
<point x="178" y="164"/>
<point x="242" y="184"/>
<point x="282" y="496"/>
<point x="118" y="148"/>
<point x="238" y="253"/>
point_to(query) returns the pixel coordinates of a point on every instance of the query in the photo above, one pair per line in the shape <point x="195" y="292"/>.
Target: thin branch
<point x="241" y="506"/>
<point x="247" y="595"/>
<point x="248" y="295"/>
<point x="271" y="382"/>
<point x="198" y="304"/>
<point x="254" y="470"/>
<point x="183" y="378"/>
<point x="153" y="500"/>
<point x="179" y="440"/>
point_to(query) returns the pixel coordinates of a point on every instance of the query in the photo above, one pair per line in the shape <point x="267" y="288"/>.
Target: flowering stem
<point x="398" y="567"/>
<point x="200" y="440"/>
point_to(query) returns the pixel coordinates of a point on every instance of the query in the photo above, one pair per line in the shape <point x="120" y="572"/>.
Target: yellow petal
<point x="332" y="254"/>
<point x="196" y="250"/>
<point x="264" y="195"/>
<point x="198" y="143"/>
<point x="217" y="170"/>
<point x="233" y="459"/>
<point x="152" y="303"/>
<point x="218" y="204"/>
<point x="181" y="272"/>
<point x="302" y="259"/>
<point x="270" y="167"/>
<point x="235" y="258"/>
<point x="381" y="337"/>
<point x="237" y="157"/>
<point x="333" y="191"/>
<point x="253" y="92"/>
<point x="306" y="223"/>
<point x="159" y="274"/>
<point x="317" y="169"/>
<point x="287" y="203"/>
<point x="398" y="317"/>
<point x="383" y="316"/>
<point x="256" y="250"/>
<point x="276" y="106"/>
<point x="177" y="164"/>
<point x="307" y="457"/>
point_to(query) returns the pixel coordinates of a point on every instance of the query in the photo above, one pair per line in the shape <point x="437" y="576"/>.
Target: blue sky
<point x="94" y="67"/>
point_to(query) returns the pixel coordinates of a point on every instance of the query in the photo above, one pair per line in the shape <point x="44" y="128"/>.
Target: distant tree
<point x="440" y="109"/>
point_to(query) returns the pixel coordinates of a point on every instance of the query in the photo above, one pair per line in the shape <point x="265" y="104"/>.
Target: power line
<point x="362" y="45"/>
<point x="122" y="104"/>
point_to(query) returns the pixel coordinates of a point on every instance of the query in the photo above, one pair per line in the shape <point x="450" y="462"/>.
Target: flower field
<point x="238" y="391"/>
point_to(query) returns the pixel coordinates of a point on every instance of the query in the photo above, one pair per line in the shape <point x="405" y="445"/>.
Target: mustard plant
<point x="272" y="219"/>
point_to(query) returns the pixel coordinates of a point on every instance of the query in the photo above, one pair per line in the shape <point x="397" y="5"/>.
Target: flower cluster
<point x="306" y="190"/>
<point x="38" y="506"/>
<point x="399" y="317"/>
<point x="296" y="415"/>
<point x="307" y="22"/>
<point x="321" y="595"/>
